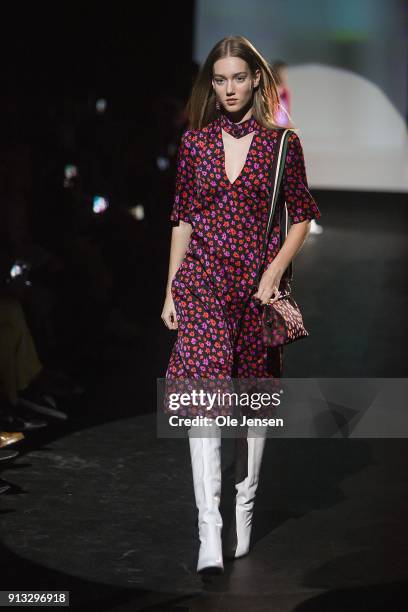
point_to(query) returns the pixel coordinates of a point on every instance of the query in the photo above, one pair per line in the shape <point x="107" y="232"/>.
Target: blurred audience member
<point x="279" y="70"/>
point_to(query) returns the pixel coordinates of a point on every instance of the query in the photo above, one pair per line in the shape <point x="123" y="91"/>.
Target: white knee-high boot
<point x="248" y="456"/>
<point x="206" y="467"/>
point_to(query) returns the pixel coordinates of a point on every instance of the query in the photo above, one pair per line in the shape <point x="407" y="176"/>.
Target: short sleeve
<point x="299" y="201"/>
<point x="185" y="180"/>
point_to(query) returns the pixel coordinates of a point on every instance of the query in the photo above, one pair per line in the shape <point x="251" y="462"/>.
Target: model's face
<point x="233" y="83"/>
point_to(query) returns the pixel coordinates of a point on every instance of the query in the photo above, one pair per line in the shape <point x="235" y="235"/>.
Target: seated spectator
<point x="7" y="437"/>
<point x="21" y="370"/>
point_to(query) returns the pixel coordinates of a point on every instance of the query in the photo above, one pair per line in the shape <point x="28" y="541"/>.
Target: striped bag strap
<point x="277" y="169"/>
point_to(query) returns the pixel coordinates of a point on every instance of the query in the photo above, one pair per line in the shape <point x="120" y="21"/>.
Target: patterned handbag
<point x="282" y="321"/>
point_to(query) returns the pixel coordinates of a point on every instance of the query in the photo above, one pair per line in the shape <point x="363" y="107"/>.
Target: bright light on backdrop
<point x="347" y="74"/>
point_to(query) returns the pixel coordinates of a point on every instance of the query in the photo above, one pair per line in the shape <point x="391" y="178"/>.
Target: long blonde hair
<point x="201" y="109"/>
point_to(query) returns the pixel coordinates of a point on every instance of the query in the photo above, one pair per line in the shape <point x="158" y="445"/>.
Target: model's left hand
<point x="268" y="287"/>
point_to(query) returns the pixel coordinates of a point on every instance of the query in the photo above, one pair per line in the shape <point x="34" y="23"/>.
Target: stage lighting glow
<point x="100" y="204"/>
<point x="70" y="171"/>
<point x="162" y="162"/>
<point x="137" y="212"/>
<point x="16" y="270"/>
<point x="19" y="269"/>
<point x="101" y="105"/>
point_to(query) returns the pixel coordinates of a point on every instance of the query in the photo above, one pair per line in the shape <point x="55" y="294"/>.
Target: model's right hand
<point x="168" y="314"/>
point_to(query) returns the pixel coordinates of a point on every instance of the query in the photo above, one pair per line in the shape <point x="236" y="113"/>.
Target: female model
<point x="220" y="214"/>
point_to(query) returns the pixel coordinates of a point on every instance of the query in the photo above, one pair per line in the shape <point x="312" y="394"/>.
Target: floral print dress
<point x="219" y="322"/>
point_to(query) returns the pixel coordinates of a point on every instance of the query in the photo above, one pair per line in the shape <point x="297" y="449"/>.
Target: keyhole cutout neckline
<point x="237" y="130"/>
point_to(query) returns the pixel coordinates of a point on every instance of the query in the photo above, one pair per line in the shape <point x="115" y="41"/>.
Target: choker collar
<point x="238" y="129"/>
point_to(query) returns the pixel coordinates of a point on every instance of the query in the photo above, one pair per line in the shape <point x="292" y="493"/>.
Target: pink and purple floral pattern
<point x="219" y="322"/>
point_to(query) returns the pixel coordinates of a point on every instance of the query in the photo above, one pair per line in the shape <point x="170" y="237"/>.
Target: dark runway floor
<point x="104" y="509"/>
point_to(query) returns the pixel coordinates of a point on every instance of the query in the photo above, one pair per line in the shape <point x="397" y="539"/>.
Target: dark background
<point x="56" y="61"/>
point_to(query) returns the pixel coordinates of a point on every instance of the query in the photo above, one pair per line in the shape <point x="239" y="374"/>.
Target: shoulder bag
<point x="282" y="321"/>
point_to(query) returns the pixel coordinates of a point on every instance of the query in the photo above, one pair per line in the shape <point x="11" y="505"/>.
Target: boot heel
<point x="210" y="560"/>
